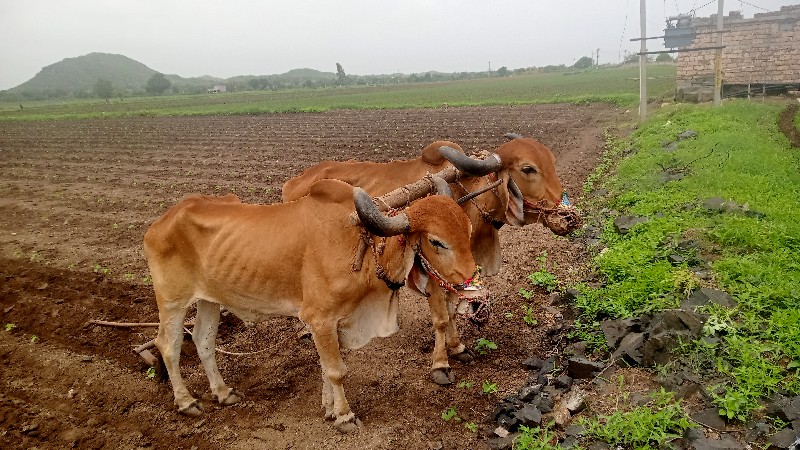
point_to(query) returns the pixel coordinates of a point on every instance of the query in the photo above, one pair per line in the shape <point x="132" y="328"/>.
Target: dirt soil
<point x="787" y="126"/>
<point x="76" y="198"/>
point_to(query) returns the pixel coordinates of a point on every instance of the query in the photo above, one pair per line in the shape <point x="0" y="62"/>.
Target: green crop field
<point x="619" y="86"/>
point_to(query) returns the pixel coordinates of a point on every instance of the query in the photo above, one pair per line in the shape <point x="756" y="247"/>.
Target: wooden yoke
<point x="404" y="195"/>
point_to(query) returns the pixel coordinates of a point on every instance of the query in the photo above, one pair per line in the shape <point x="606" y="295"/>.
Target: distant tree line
<point x="159" y="84"/>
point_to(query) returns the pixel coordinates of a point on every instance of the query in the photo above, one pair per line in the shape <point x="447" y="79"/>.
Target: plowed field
<point x="75" y="200"/>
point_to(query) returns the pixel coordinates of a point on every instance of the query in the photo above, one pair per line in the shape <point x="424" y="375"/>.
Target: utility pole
<point x="718" y="57"/>
<point x="597" y="62"/>
<point x="643" y="62"/>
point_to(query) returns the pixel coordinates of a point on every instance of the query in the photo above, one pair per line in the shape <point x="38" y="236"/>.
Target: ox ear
<point x="514" y="201"/>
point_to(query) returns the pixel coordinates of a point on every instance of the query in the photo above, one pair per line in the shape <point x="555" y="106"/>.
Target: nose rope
<point x="564" y="212"/>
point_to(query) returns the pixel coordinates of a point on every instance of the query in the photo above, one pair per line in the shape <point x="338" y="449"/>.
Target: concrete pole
<point x="718" y="57"/>
<point x="643" y="63"/>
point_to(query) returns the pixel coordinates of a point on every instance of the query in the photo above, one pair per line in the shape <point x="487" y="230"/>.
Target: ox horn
<point x="512" y="136"/>
<point x="468" y="166"/>
<point x="374" y="220"/>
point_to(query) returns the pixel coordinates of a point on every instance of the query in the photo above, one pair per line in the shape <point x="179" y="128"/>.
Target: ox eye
<point x="437" y="243"/>
<point x="529" y="170"/>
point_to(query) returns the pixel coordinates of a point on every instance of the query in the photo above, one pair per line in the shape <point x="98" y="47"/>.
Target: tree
<point x="342" y="77"/>
<point x="103" y="89"/>
<point x="585" y="62"/>
<point x="664" y="57"/>
<point x="630" y="58"/>
<point x="157" y="84"/>
<point x="503" y="71"/>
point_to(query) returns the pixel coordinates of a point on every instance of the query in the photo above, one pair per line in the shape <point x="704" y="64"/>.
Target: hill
<point x="74" y="76"/>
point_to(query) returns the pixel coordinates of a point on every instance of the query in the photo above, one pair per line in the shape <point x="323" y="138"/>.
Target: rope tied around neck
<point x="480" y="304"/>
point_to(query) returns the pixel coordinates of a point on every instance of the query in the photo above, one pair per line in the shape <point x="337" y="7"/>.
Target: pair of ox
<point x="525" y="189"/>
<point x="296" y="259"/>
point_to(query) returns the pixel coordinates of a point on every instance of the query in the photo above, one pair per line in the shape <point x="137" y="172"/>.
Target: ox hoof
<point x="232" y="398"/>
<point x="465" y="357"/>
<point x="193" y="409"/>
<point x="443" y="376"/>
<point x="348" y="424"/>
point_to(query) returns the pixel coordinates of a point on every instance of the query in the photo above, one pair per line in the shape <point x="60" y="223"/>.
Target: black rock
<point x="533" y="363"/>
<point x="574" y="430"/>
<point x="714" y="204"/>
<point x="528" y="416"/>
<point x="687" y="134"/>
<point x="630" y="350"/>
<point x="709" y="417"/>
<point x="785" y="409"/>
<point x="502" y="443"/>
<point x="598" y="446"/>
<point x="570" y="295"/>
<point x="677" y="320"/>
<point x="693" y="434"/>
<point x="623" y="224"/>
<point x="669" y="146"/>
<point x="581" y="368"/>
<point x="705" y="296"/>
<point x="528" y="392"/>
<point x="757" y="431"/>
<point x="725" y="442"/>
<point x="549" y="364"/>
<point x="615" y="330"/>
<point x="563" y="382"/>
<point x="787" y="438"/>
<point x="508" y="422"/>
<point x="675" y="259"/>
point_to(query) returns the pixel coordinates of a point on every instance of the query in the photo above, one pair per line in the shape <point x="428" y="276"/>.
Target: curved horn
<point x="469" y="166"/>
<point x="375" y="221"/>
<point x="440" y="187"/>
<point x="512" y="136"/>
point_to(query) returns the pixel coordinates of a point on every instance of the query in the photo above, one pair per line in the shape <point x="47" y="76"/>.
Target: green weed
<point x="488" y="387"/>
<point x="483" y="346"/>
<point x="644" y="427"/>
<point x="537" y="438"/>
<point x="450" y="414"/>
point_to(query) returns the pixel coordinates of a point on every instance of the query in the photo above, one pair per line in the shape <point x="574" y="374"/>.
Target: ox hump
<point x="430" y="154"/>
<point x="331" y="191"/>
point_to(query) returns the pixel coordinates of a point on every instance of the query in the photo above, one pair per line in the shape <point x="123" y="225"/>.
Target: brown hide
<point x="528" y="162"/>
<point x="289" y="259"/>
<point x="370" y="176"/>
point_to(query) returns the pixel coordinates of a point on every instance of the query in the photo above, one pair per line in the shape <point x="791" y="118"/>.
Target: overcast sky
<point x="260" y="37"/>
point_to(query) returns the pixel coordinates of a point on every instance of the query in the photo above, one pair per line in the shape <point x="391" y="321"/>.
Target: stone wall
<point x="762" y="50"/>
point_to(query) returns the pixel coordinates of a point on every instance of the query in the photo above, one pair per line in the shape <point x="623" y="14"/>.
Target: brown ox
<point x="295" y="259"/>
<point x="527" y="184"/>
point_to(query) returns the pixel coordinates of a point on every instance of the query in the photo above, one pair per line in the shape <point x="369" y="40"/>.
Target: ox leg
<point x="169" y="341"/>
<point x="326" y="339"/>
<point x="204" y="336"/>
<point x="457" y="349"/>
<point x="440" y="370"/>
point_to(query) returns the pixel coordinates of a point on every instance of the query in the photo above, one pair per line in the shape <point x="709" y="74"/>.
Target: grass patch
<point x="616" y="86"/>
<point x="740" y="155"/>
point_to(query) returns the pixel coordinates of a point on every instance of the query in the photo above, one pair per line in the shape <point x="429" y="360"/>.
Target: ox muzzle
<point x="473" y="301"/>
<point x="561" y="220"/>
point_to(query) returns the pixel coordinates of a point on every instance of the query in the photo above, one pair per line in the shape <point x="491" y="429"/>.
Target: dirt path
<point x="75" y="200"/>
